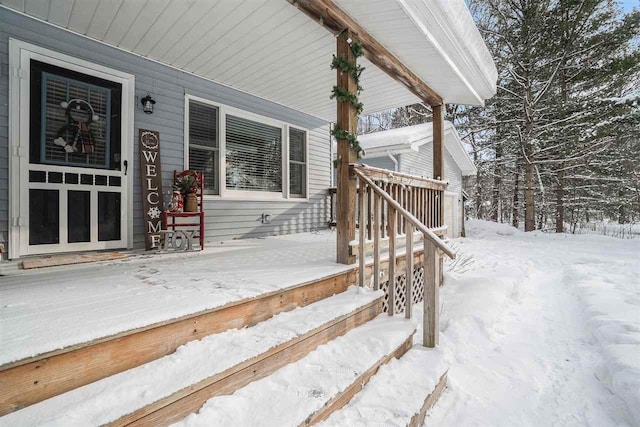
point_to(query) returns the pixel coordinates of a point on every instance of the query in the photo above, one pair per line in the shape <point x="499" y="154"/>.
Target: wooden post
<point x="362" y="231"/>
<point x="431" y="303"/>
<point x="346" y="185"/>
<point x="377" y="226"/>
<point x="438" y="157"/>
<point x="438" y="141"/>
<point x="392" y="260"/>
<point x="408" y="235"/>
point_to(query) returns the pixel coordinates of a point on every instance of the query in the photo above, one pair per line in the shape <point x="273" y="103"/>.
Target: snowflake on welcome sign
<point x="153" y="212"/>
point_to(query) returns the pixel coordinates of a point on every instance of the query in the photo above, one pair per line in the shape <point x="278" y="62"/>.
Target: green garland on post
<point x="343" y="95"/>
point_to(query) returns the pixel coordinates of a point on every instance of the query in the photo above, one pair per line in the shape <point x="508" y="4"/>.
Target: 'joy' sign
<point x="151" y="186"/>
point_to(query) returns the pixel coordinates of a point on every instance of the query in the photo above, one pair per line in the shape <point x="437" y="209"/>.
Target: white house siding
<point x="421" y="163"/>
<point x="225" y="219"/>
<point x="380" y="162"/>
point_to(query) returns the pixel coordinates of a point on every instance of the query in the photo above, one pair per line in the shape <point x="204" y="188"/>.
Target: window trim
<point x="296" y="196"/>
<point x="246" y="195"/>
<point x="187" y="142"/>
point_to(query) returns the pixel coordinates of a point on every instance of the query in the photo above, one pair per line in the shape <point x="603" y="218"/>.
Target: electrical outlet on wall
<point x="266" y="218"/>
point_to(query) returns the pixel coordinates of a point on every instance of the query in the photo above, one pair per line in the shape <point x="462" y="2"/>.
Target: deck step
<point x="41" y="377"/>
<point x="310" y="389"/>
<point x="417" y="379"/>
<point x="169" y="388"/>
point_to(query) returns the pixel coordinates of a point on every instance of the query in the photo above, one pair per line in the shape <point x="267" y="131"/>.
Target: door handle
<point x="126" y="166"/>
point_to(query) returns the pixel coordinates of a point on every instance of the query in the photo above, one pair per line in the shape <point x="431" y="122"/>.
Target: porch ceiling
<point x="269" y="48"/>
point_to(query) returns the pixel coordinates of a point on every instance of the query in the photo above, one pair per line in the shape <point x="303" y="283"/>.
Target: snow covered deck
<point x="49" y="309"/>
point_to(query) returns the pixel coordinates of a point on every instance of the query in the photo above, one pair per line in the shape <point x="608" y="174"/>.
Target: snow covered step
<point x="169" y="388"/>
<point x="400" y="394"/>
<point x="308" y="390"/>
<point x="37" y="378"/>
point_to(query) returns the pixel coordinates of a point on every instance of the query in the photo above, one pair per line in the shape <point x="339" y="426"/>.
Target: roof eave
<point x="429" y="14"/>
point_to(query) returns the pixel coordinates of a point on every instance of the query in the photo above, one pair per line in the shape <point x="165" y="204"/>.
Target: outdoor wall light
<point x="147" y="104"/>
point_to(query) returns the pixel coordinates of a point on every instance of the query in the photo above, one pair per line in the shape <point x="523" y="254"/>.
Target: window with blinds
<point x="203" y="144"/>
<point x="297" y="163"/>
<point x="253" y="155"/>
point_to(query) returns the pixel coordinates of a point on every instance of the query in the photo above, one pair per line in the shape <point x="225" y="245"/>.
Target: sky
<point x="630" y="4"/>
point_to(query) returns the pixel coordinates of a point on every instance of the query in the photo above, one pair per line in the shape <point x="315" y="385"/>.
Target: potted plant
<point x="188" y="183"/>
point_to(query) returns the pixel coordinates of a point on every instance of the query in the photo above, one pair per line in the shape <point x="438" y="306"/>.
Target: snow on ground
<point x="541" y="329"/>
<point x="48" y="309"/>
<point x="395" y="393"/>
<point x="609" y="228"/>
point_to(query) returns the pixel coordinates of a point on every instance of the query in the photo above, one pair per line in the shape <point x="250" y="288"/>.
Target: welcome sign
<point x="151" y="186"/>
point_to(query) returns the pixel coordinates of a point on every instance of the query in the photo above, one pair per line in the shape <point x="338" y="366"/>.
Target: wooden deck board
<point x="58" y="260"/>
<point x="418" y="419"/>
<point x="32" y="380"/>
<point x="176" y="407"/>
<point x="358" y="384"/>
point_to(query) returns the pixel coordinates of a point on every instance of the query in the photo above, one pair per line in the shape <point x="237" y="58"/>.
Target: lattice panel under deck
<point x="417" y="290"/>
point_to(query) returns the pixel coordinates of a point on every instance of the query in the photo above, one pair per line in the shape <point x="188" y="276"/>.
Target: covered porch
<point x="137" y="311"/>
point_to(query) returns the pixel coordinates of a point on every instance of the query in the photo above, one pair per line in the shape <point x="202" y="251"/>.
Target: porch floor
<point x="49" y="309"/>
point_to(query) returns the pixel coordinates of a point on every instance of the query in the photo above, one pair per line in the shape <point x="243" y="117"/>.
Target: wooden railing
<point x="421" y="196"/>
<point x="391" y="207"/>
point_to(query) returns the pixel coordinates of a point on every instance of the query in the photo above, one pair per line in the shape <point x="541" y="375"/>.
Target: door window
<point x="75" y="119"/>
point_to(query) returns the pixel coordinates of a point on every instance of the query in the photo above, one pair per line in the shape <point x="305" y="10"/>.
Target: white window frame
<point x="306" y="163"/>
<point x="246" y="195"/>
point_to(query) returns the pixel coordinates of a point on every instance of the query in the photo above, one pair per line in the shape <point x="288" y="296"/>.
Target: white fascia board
<point x="390" y="149"/>
<point x="455" y="147"/>
<point x="450" y="46"/>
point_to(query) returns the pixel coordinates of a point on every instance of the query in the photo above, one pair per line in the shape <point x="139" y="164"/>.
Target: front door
<point x="74" y="167"/>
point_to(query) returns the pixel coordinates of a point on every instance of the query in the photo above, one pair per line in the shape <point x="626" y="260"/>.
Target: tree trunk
<point x="622" y="214"/>
<point x="560" y="203"/>
<point x="515" y="216"/>
<point x="529" y="202"/>
<point x="479" y="213"/>
<point x="497" y="180"/>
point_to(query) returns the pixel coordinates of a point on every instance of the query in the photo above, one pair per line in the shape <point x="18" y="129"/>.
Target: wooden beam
<point x="327" y="14"/>
<point x="346" y="186"/>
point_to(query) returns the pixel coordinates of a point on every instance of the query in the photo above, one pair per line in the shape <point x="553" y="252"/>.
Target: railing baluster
<point x="377" y="228"/>
<point x="425" y="206"/>
<point x="369" y="210"/>
<point x="420" y="210"/>
<point x="362" y="231"/>
<point x="409" y="270"/>
<point x="401" y="201"/>
<point x="439" y="221"/>
<point x="398" y="217"/>
<point x="432" y="220"/>
<point x="392" y="259"/>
